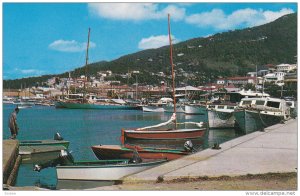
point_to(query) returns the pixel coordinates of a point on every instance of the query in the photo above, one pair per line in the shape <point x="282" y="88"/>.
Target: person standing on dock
<point x="13" y="126"/>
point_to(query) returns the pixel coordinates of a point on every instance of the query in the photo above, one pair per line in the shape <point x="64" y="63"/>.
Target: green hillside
<point x="224" y="54"/>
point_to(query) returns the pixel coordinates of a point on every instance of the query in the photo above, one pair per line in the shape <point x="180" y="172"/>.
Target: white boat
<point x="103" y="170"/>
<point x="221" y="116"/>
<point x="8" y="100"/>
<point x="22" y="104"/>
<point x="253" y="114"/>
<point x="194" y="109"/>
<point x="170" y="108"/>
<point x="151" y="108"/>
<point x="220" y="112"/>
<point x="158" y="106"/>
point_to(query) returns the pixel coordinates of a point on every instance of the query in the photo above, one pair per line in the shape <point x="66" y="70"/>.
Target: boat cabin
<point x="235" y="97"/>
<point x="265" y="104"/>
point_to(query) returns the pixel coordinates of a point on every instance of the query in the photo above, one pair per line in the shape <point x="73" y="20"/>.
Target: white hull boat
<point x="98" y="171"/>
<point x="195" y="109"/>
<point x="153" y="109"/>
<point x="221" y="116"/>
<point x="255" y="114"/>
<point x="170" y="108"/>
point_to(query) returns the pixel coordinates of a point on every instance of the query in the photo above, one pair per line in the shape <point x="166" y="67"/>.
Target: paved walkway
<point x="272" y="151"/>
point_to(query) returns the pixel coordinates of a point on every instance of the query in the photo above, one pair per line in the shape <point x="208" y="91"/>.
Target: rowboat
<point x="57" y="141"/>
<point x="39" y="154"/>
<point x="160" y="134"/>
<point x="102" y="170"/>
<point x="126" y="152"/>
<point x="68" y="169"/>
<point x="45" y="143"/>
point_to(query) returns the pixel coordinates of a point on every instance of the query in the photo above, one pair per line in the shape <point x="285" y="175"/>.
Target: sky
<point x="51" y="38"/>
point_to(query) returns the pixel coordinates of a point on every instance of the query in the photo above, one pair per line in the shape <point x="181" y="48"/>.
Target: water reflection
<point x="221" y="135"/>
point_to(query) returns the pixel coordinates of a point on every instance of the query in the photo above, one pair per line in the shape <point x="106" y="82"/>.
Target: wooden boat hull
<point x="164" y="135"/>
<point x="70" y="105"/>
<point x="45" y="143"/>
<point x="219" y="119"/>
<point x="86" y="171"/>
<point x="253" y="120"/>
<point x="119" y="152"/>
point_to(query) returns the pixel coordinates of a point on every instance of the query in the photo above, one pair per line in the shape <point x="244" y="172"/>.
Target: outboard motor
<point x="58" y="137"/>
<point x="188" y="146"/>
<point x="64" y="158"/>
<point x="136" y="157"/>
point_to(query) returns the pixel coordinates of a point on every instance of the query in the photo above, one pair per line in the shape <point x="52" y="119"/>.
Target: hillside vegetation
<point x="231" y="53"/>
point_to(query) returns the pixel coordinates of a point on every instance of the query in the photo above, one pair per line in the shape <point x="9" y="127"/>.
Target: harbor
<point x="227" y="121"/>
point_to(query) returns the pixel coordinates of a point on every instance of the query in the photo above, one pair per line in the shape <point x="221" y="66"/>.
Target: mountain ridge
<point x="231" y="53"/>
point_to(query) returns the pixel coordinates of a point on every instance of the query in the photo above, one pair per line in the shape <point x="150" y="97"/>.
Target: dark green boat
<point x="255" y="114"/>
<point x="45" y="143"/>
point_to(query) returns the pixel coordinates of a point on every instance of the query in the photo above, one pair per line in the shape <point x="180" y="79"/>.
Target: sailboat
<point x="170" y="129"/>
<point x="86" y="102"/>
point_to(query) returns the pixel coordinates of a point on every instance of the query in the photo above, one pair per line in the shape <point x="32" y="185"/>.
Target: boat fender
<point x="58" y="137"/>
<point x="188" y="146"/>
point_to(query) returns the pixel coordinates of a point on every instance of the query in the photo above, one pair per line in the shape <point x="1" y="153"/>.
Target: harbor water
<point x="85" y="128"/>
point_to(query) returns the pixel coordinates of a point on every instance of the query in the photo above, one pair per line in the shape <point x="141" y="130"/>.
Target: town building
<point x="286" y="67"/>
<point x="241" y="80"/>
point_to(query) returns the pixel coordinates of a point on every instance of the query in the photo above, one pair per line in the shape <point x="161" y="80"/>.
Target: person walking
<point x="13" y="126"/>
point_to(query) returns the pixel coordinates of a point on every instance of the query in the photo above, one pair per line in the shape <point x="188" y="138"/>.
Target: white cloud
<point x="135" y="11"/>
<point x="69" y="46"/>
<point x="29" y="71"/>
<point x="156" y="42"/>
<point x="247" y="17"/>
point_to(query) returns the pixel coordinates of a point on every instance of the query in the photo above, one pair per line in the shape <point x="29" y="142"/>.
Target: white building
<point x="221" y="81"/>
<point x="286" y="67"/>
<point x="251" y="74"/>
<point x="277" y="77"/>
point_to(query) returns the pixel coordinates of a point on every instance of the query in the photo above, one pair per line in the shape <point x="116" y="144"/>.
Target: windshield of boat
<point x="260" y="102"/>
<point x="246" y="102"/>
<point x="273" y="104"/>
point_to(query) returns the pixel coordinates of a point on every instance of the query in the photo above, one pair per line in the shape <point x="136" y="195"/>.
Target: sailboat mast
<point x="171" y="61"/>
<point x="86" y="62"/>
<point x="87" y="50"/>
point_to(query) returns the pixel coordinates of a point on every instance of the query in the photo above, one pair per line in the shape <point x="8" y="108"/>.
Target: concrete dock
<point x="11" y="161"/>
<point x="271" y="151"/>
